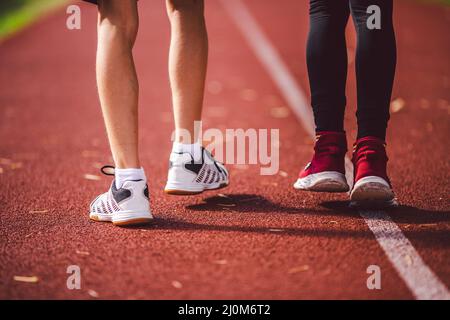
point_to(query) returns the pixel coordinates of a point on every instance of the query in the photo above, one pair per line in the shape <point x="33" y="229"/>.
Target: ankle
<point x="128" y="174"/>
<point x="127" y="164"/>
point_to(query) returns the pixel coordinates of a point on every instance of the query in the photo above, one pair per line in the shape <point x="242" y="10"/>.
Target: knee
<point x="118" y="24"/>
<point x="185" y="8"/>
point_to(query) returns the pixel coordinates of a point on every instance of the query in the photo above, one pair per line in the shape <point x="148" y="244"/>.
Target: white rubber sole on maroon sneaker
<point x="372" y="192"/>
<point x="327" y="181"/>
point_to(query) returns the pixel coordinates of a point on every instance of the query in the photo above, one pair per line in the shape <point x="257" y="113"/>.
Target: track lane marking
<point x="418" y="277"/>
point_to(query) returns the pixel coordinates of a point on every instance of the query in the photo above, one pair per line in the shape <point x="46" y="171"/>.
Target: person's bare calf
<point x="116" y="78"/>
<point x="187" y="70"/>
<point x="187" y="64"/>
<point x="127" y="200"/>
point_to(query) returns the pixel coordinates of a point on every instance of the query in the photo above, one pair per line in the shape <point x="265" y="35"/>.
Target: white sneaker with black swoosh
<point x="188" y="176"/>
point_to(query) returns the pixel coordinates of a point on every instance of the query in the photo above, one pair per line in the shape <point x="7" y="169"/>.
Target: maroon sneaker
<point x="372" y="185"/>
<point x="326" y="171"/>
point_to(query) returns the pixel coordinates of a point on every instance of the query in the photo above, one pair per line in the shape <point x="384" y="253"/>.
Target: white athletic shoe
<point x="187" y="177"/>
<point x="126" y="206"/>
<point x="372" y="191"/>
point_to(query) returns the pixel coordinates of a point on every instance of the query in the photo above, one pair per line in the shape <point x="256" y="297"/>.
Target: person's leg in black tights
<point x="375" y="67"/>
<point x="327" y="69"/>
<point x="327" y="62"/>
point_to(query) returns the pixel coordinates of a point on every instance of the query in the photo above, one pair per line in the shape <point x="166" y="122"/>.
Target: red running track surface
<point x="257" y="239"/>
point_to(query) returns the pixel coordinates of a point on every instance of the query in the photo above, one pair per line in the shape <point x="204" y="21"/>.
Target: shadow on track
<point x="401" y="214"/>
<point x="243" y="203"/>
<point x="161" y="223"/>
<point x="251" y="203"/>
<point x="427" y="227"/>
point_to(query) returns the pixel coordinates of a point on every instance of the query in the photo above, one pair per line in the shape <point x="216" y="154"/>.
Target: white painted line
<point x="418" y="277"/>
<point x="422" y="282"/>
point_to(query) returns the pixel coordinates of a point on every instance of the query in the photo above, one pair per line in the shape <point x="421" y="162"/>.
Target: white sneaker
<point x="126" y="206"/>
<point x="187" y="177"/>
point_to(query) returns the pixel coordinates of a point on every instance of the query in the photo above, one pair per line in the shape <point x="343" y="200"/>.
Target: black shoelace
<point x="108" y="170"/>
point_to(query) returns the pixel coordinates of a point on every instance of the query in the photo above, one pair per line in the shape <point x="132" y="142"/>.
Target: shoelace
<point x="108" y="173"/>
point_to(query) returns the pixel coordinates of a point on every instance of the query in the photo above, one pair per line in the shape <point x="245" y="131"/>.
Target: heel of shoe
<point x="372" y="191"/>
<point x="182" y="189"/>
<point x="127" y="218"/>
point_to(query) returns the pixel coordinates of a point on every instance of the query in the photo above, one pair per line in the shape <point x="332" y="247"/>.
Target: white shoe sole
<point x="372" y="191"/>
<point x="123" y="218"/>
<point x="176" y="188"/>
<point x="327" y="181"/>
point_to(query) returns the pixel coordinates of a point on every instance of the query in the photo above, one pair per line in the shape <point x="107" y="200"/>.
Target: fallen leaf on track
<point x="32" y="279"/>
<point x="283" y="173"/>
<point x="397" y="105"/>
<point x="276" y="230"/>
<point x="16" y="165"/>
<point x="91" y="177"/>
<point x="83" y="253"/>
<point x="299" y="269"/>
<point x="279" y="112"/>
<point x="427" y="225"/>
<point x="93" y="293"/>
<point x="226" y="204"/>
<point x="268" y="183"/>
<point x="177" y="284"/>
<point x="223" y="261"/>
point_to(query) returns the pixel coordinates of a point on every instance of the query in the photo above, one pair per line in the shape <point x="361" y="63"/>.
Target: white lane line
<point x="422" y="282"/>
<point x="418" y="277"/>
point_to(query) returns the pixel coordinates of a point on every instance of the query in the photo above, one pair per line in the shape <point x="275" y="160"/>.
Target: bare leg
<point x="187" y="63"/>
<point x="116" y="78"/>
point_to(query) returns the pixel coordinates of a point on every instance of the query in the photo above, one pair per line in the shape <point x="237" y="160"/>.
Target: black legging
<point x="327" y="64"/>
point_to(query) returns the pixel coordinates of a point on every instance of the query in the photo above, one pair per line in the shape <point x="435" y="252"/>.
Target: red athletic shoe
<point x="372" y="185"/>
<point x="326" y="171"/>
